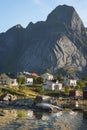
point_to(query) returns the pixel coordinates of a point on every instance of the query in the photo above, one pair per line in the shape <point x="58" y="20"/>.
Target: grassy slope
<point x="26" y="92"/>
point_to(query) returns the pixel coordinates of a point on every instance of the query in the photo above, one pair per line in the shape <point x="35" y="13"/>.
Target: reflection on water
<point x="36" y="120"/>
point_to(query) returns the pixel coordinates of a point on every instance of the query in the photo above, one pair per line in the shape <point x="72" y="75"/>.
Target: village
<point x="59" y="86"/>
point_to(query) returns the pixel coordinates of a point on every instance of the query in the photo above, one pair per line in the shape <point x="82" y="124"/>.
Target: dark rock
<point x="42" y="98"/>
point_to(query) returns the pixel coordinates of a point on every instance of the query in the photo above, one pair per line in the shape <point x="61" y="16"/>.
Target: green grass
<point x="30" y="91"/>
<point x="18" y="92"/>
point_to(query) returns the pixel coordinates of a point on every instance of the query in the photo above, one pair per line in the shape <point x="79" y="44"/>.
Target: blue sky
<point x="13" y="12"/>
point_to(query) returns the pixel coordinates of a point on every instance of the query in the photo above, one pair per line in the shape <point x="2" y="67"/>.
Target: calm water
<point x="34" y="120"/>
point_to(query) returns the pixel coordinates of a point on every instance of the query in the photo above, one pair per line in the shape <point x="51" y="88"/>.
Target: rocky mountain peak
<point x="15" y="28"/>
<point x="66" y="15"/>
<point x="55" y="44"/>
<point x="30" y="25"/>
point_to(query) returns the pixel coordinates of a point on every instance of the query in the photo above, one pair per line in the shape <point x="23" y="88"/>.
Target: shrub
<point x="22" y="88"/>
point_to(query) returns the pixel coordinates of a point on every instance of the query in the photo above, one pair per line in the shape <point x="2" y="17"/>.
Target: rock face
<point x="60" y="42"/>
<point x="68" y="16"/>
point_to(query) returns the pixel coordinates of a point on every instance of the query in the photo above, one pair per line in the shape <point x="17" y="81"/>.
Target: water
<point x="19" y="119"/>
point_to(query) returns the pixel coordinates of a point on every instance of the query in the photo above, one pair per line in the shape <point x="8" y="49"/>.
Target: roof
<point x="34" y="74"/>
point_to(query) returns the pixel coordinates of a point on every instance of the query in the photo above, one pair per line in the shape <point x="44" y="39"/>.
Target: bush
<point x="40" y="90"/>
<point x="21" y="79"/>
<point x="12" y="91"/>
<point x="52" y="93"/>
<point x="22" y="88"/>
<point x="37" y="80"/>
<point x="67" y="89"/>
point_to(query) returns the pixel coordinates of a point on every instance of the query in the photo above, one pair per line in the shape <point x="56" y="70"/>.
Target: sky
<point x="13" y="12"/>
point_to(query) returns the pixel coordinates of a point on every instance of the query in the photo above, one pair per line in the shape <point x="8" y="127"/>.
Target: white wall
<point x="52" y="86"/>
<point x="29" y="81"/>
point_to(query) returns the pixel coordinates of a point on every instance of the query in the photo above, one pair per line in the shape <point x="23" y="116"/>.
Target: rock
<point x="1" y="114"/>
<point x="7" y="97"/>
<point x="45" y="103"/>
<point x="22" y="103"/>
<point x="41" y="98"/>
<point x="47" y="106"/>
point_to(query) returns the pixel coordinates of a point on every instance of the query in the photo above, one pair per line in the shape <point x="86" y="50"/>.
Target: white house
<point x="28" y="78"/>
<point x="49" y="85"/>
<point x="71" y="82"/>
<point x="12" y="79"/>
<point x="13" y="82"/>
<point x="47" y="76"/>
<point x="29" y="81"/>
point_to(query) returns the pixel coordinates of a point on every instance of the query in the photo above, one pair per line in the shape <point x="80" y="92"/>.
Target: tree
<point x="22" y="87"/>
<point x="81" y="84"/>
<point x="4" y="79"/>
<point x="39" y="80"/>
<point x="21" y="79"/>
<point x="59" y="77"/>
<point x="78" y="87"/>
<point x="67" y="89"/>
<point x="34" y="80"/>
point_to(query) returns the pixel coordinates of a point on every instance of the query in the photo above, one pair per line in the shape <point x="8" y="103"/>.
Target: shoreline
<point x="28" y="104"/>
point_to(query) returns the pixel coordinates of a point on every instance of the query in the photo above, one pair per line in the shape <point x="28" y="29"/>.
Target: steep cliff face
<point x="58" y="43"/>
<point x="67" y="16"/>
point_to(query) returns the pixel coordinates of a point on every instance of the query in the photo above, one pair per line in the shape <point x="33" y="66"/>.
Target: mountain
<point x="59" y="43"/>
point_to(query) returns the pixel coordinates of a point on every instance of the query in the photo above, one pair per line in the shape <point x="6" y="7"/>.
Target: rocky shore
<point x="43" y="102"/>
